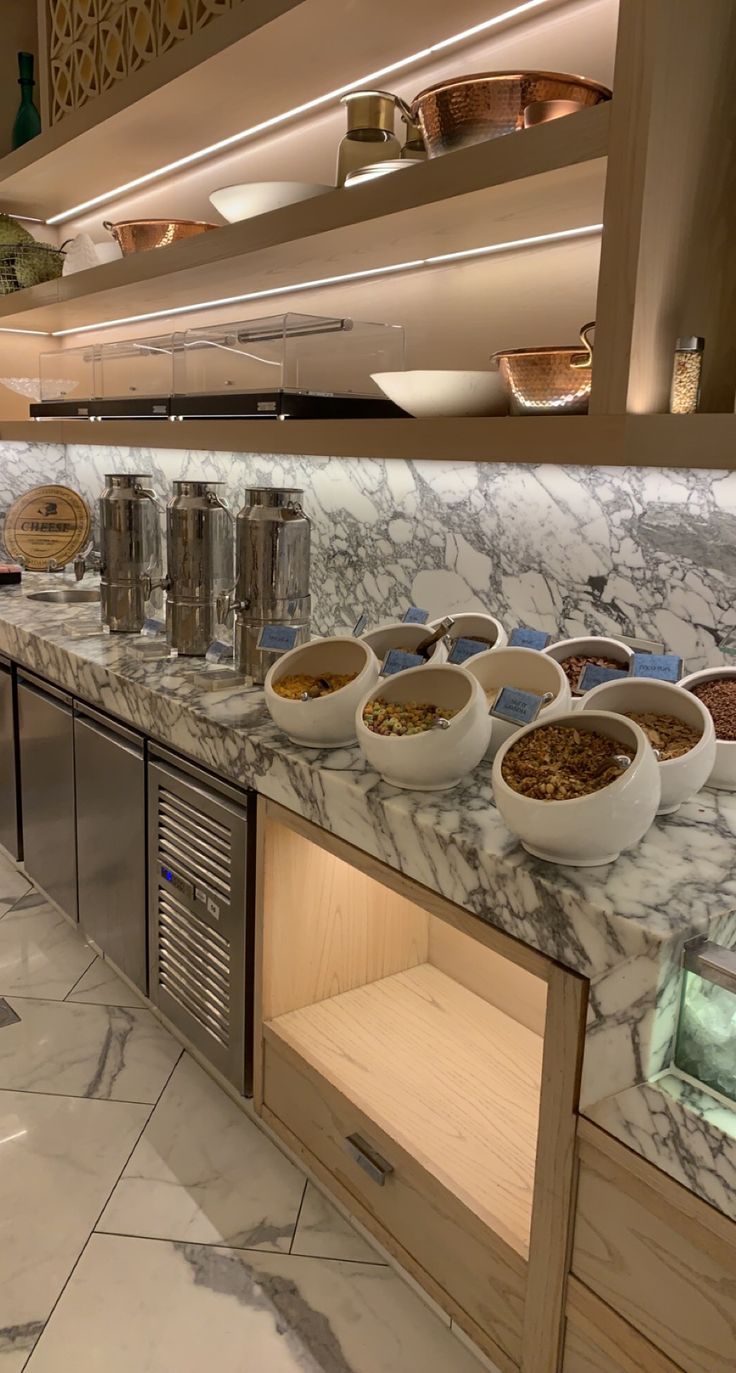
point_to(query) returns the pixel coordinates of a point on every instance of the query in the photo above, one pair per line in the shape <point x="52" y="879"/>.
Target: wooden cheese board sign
<point x="47" y="528"/>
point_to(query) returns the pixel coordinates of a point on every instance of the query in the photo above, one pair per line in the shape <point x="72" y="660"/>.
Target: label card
<point x="519" y="707"/>
<point x="219" y="652"/>
<point x="397" y="660"/>
<point x="528" y="638"/>
<point x="152" y="628"/>
<point x="664" y="667"/>
<point x="277" y="638"/>
<point x="359" y="626"/>
<point x="465" y="648"/>
<point x="415" y="616"/>
<point x="594" y="675"/>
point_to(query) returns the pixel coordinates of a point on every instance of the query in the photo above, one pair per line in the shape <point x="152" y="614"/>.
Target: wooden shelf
<point x="453" y="1080"/>
<point x="543" y="180"/>
<point x="692" y="441"/>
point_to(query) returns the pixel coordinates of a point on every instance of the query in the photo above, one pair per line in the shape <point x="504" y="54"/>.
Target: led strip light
<point x="370" y="273"/>
<point x="245" y="135"/>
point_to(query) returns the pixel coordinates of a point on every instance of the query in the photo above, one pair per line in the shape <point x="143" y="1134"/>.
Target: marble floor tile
<point x="115" y="1053"/>
<point x="152" y="1306"/>
<point x="60" y="1158"/>
<point x="41" y="954"/>
<point x="102" y="987"/>
<point x="203" y="1171"/>
<point x="13" y="884"/>
<point x="323" y="1233"/>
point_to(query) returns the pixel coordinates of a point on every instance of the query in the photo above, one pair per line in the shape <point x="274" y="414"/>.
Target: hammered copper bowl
<point x="543" y="381"/>
<point x="140" y="235"/>
<point x="471" y="109"/>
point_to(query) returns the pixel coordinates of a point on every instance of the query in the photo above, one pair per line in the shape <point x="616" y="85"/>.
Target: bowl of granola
<point x="312" y="691"/>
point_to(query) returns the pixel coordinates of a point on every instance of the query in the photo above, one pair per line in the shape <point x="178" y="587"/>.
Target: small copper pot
<point x="548" y="381"/>
<point x="470" y="109"/>
<point x="140" y="235"/>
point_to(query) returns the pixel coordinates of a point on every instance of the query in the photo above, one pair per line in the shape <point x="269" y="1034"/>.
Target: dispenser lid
<point x="47" y="525"/>
<point x="370" y="110"/>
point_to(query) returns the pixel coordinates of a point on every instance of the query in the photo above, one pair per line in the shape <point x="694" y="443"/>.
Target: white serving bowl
<point x="527" y="670"/>
<point x="327" y="721"/>
<point x="723" y="773"/>
<point x="587" y="830"/>
<point x="400" y="635"/>
<point x="475" y="625"/>
<point x="428" y="394"/>
<point x="251" y="198"/>
<point x="680" y="777"/>
<point x="439" y="758"/>
<point x="596" y="646"/>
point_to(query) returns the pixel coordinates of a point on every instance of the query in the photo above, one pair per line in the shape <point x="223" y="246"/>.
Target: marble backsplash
<point x="636" y="551"/>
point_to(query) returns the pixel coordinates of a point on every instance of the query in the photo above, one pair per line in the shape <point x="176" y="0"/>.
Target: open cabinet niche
<point x="406" y="1054"/>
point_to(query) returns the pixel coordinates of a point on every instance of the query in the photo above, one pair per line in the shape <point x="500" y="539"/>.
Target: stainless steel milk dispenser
<point x="199" y="544"/>
<point x="130" y="550"/>
<point x="272" y="572"/>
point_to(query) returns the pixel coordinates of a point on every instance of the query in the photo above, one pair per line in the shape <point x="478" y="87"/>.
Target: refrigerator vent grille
<point x="194" y="966"/>
<point x="194" y="844"/>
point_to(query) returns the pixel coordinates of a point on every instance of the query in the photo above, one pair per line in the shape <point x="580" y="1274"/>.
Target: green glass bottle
<point x="28" y="120"/>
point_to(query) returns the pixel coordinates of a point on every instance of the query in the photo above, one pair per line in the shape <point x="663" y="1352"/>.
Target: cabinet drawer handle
<point x="366" y="1157"/>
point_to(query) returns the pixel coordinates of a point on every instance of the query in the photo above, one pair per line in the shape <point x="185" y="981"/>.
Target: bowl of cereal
<point x="579" y="790"/>
<point x="484" y="629"/>
<point x="678" y="726"/>
<point x="425" y="728"/>
<point x="574" y="655"/>
<point x="715" y="688"/>
<point x="523" y="669"/>
<point x="312" y="691"/>
<point x="406" y="637"/>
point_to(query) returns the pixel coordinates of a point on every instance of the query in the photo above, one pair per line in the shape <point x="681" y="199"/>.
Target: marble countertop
<point x="621" y="926"/>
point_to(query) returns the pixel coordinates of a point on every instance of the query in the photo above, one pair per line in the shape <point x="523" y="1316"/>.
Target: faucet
<point x="86" y="562"/>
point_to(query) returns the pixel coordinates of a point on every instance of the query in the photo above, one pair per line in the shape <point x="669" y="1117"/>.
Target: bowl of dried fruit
<point x="479" y="627"/>
<point x="715" y="688"/>
<point x="312" y="691"/>
<point x="406" y="637"/>
<point x="580" y="790"/>
<point x="574" y="655"/>
<point x="678" y="726"/>
<point x="425" y="728"/>
<point x="522" y="669"/>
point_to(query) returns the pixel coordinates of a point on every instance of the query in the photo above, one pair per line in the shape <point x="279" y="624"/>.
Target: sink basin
<point x="68" y="595"/>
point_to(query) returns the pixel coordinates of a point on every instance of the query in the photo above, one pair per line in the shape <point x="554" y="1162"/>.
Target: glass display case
<point x="706" y="1035"/>
<point x="286" y="366"/>
<point x="136" y="377"/>
<point x="69" y="379"/>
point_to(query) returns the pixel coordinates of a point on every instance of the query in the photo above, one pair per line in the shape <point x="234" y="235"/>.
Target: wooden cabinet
<point x="598" y="1341"/>
<point x="426" y="1067"/>
<point x="657" y="1255"/>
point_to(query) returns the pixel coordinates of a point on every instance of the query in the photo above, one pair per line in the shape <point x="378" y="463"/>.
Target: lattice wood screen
<point x="94" y="43"/>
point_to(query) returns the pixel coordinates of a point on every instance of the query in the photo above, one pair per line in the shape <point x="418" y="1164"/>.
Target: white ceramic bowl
<point x="400" y="635"/>
<point x="723" y="772"/>
<point x="596" y="646"/>
<point x="588" y="830"/>
<point x="681" y="777"/>
<point x="251" y="198"/>
<point x="328" y="721"/>
<point x="527" y="670"/>
<point x="476" y="625"/>
<point x="428" y="394"/>
<point x="376" y="169"/>
<point x="439" y="758"/>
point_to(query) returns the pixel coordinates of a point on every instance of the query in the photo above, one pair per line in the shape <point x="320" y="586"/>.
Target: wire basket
<point x="26" y="264"/>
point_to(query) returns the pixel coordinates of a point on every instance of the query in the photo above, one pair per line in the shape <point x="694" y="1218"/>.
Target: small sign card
<point x="528" y="638"/>
<point x="664" y="667"/>
<point x="398" y="660"/>
<point x="594" y="675"/>
<point x="520" y="707"/>
<point x="219" y="652"/>
<point x="153" y="628"/>
<point x="415" y="616"/>
<point x="359" y="626"/>
<point x="277" y="638"/>
<point x="465" y="648"/>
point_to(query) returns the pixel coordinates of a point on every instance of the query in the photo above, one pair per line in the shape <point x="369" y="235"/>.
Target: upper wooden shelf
<point x="247" y="67"/>
<point x="705" y="441"/>
<point x="543" y="180"/>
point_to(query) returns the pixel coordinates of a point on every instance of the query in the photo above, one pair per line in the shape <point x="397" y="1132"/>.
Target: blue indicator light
<point x="168" y="874"/>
